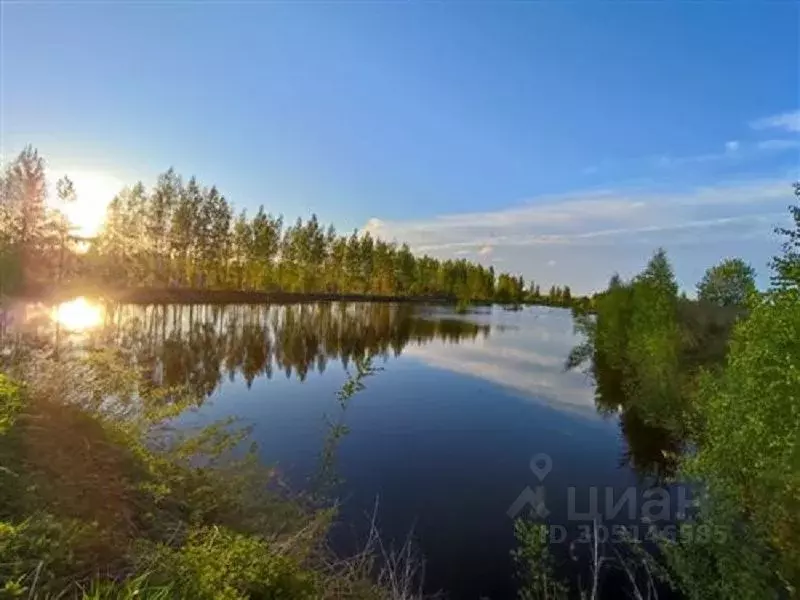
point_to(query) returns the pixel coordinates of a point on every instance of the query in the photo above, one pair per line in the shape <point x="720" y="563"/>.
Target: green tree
<point x="654" y="342"/>
<point x="748" y="461"/>
<point x="266" y="230"/>
<point x="24" y="193"/>
<point x="242" y="252"/>
<point x="659" y="274"/>
<point x="786" y="267"/>
<point x="157" y="211"/>
<point x="729" y="283"/>
<point x="61" y="226"/>
<point x="406" y="270"/>
<point x="182" y="243"/>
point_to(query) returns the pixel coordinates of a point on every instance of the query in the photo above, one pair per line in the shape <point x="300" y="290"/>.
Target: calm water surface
<point x="442" y="435"/>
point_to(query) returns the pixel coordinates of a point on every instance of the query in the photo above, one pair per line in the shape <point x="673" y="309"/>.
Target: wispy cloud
<point x="778" y="145"/>
<point x="732" y="151"/>
<point x="789" y="121"/>
<point x="585" y="229"/>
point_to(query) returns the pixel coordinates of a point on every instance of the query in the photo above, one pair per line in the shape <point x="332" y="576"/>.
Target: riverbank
<point x="101" y="502"/>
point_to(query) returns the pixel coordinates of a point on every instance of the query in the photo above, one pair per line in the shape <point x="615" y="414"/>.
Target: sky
<point x="561" y="140"/>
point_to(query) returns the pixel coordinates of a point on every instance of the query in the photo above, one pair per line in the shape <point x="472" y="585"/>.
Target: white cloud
<point x="789" y="121"/>
<point x="485" y="250"/>
<point x="373" y="225"/>
<point x="778" y="145"/>
<point x="592" y="234"/>
<point x="733" y="150"/>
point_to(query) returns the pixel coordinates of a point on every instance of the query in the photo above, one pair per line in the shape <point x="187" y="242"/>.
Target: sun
<point x="78" y="314"/>
<point x="93" y="192"/>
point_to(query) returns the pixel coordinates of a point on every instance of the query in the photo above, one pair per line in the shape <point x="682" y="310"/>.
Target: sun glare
<point x="78" y="314"/>
<point x="93" y="191"/>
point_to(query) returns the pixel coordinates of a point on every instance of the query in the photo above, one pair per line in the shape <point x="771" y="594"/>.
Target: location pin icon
<point x="541" y="464"/>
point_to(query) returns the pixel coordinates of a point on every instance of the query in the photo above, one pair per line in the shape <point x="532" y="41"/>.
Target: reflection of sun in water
<point x="78" y="314"/>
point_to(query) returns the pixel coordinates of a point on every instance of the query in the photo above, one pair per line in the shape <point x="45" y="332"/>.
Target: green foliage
<point x="216" y="563"/>
<point x="10" y="269"/>
<point x="34" y="233"/>
<point x="557" y="296"/>
<point x="747" y="457"/>
<point x="509" y="289"/>
<point x="749" y="451"/>
<point x="786" y="267"/>
<point x="635" y="341"/>
<point x="10" y="403"/>
<point x="101" y="505"/>
<point x="654" y="342"/>
<point x="645" y="346"/>
<point x="534" y="563"/>
<point x="50" y="549"/>
<point x="137" y="588"/>
<point x="729" y="283"/>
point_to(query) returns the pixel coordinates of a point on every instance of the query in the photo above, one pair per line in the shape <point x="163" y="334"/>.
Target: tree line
<point x="183" y="234"/>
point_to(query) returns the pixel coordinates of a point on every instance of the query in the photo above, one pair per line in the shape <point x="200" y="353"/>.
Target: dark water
<point x="441" y="437"/>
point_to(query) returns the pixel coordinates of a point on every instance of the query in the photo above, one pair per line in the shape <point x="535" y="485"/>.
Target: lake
<point x="460" y="421"/>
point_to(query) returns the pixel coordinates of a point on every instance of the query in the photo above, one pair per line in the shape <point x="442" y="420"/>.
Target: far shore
<point x="147" y="295"/>
<point x="176" y="295"/>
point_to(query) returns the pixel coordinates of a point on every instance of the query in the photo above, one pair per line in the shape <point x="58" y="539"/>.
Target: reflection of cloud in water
<point x="526" y="351"/>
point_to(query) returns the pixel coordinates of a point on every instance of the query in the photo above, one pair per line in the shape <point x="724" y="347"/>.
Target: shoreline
<point x="198" y="296"/>
<point x="163" y="295"/>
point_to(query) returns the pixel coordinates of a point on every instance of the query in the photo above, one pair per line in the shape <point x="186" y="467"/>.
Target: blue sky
<point x="561" y="140"/>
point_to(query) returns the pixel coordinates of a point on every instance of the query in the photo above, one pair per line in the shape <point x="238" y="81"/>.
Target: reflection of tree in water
<point x="651" y="450"/>
<point x="198" y="345"/>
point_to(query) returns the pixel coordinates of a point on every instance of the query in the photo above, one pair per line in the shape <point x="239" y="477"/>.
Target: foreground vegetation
<point x="99" y="499"/>
<point x="184" y="235"/>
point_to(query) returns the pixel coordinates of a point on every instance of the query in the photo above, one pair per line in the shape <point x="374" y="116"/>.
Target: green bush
<point x="215" y="563"/>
